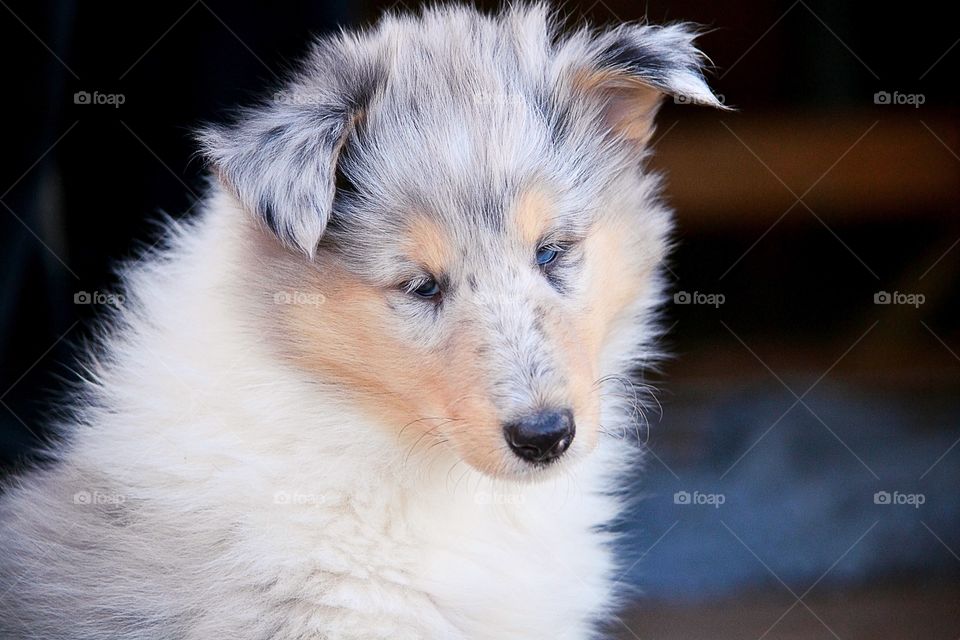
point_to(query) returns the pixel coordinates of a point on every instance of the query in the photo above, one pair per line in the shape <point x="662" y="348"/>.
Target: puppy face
<point x="465" y="195"/>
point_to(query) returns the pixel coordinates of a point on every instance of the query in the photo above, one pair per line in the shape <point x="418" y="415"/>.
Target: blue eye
<point x="546" y="255"/>
<point x="428" y="289"/>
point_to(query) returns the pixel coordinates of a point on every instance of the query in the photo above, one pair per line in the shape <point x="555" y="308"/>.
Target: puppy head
<point x="465" y="195"/>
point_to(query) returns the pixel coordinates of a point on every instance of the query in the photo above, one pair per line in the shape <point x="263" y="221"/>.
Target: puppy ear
<point x="633" y="67"/>
<point x="280" y="160"/>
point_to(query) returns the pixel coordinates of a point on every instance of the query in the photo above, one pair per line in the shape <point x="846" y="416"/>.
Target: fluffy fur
<point x="277" y="438"/>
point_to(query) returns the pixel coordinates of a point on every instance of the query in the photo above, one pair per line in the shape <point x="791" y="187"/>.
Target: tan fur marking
<point x="427" y="244"/>
<point x="433" y="395"/>
<point x="614" y="282"/>
<point x="629" y="105"/>
<point x="532" y="214"/>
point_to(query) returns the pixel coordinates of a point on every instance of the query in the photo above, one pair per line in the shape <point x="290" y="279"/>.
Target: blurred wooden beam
<point x="737" y="168"/>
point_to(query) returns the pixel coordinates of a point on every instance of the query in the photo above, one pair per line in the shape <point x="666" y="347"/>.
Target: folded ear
<point x="280" y="161"/>
<point x="633" y="67"/>
<point x="280" y="158"/>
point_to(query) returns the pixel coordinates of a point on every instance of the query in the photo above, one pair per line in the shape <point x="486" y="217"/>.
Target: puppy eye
<point x="547" y="254"/>
<point x="428" y="288"/>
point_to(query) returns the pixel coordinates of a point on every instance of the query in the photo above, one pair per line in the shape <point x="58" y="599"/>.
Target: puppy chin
<point x="513" y="468"/>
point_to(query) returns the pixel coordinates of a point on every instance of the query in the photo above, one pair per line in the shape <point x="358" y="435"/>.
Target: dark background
<point x="794" y="401"/>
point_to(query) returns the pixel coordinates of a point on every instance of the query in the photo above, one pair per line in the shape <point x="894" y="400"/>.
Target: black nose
<point x="541" y="437"/>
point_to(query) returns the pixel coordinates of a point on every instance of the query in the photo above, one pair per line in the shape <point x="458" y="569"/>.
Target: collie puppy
<point x="376" y="388"/>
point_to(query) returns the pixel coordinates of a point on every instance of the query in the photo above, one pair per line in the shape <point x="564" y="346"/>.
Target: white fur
<point x="322" y="526"/>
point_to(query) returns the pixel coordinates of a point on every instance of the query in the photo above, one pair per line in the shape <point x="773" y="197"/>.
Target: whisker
<point x="423" y="435"/>
<point x="638" y="415"/>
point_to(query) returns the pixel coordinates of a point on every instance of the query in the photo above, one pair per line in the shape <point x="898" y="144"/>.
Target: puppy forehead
<point x="474" y="124"/>
<point x="523" y="218"/>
